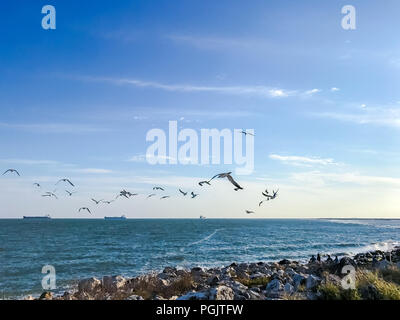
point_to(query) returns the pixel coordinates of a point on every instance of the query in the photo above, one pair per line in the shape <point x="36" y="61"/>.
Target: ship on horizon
<point x="123" y="217"/>
<point x="46" y="217"/>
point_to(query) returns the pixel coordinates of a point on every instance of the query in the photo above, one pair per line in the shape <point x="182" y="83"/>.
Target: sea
<point x="79" y="248"/>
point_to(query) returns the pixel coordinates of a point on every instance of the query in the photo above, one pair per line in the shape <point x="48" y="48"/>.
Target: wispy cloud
<point x="254" y="90"/>
<point x="378" y="116"/>
<point x="29" y="162"/>
<point x="92" y="171"/>
<point x="301" y="160"/>
<point x="70" y="128"/>
<point x="322" y="178"/>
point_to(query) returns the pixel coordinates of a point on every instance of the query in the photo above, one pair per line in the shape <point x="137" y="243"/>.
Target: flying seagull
<point x="164" y="197"/>
<point x="84" y="208"/>
<point x="69" y="193"/>
<point x="66" y="180"/>
<point x="49" y="194"/>
<point x="151" y="195"/>
<point x="262" y="202"/>
<point x="131" y="194"/>
<point x="97" y="201"/>
<point x="269" y="197"/>
<point x="108" y="202"/>
<point x="248" y="211"/>
<point x="158" y="188"/>
<point x="194" y="195"/>
<point x="11" y="171"/>
<point x="247" y="133"/>
<point x="184" y="193"/>
<point x="231" y="180"/>
<point x="204" y="182"/>
<point x="37" y="185"/>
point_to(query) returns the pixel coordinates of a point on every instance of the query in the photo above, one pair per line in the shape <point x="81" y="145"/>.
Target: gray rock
<point x="134" y="297"/>
<point x="113" y="283"/>
<point x="202" y="295"/>
<point x="91" y="285"/>
<point x="298" y="279"/>
<point x="312" y="282"/>
<point x="274" y="286"/>
<point x="288" y="288"/>
<point x="221" y="293"/>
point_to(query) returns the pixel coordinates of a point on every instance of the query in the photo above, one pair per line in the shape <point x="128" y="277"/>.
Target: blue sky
<point x="324" y="102"/>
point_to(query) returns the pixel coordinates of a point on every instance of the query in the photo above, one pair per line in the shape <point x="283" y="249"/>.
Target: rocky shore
<point x="376" y="274"/>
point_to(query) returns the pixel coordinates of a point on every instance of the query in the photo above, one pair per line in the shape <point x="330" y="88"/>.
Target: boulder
<point x="284" y="262"/>
<point x="312" y="282"/>
<point x="202" y="295"/>
<point x="91" y="285"/>
<point x="221" y="293"/>
<point x="47" y="295"/>
<point x="134" y="297"/>
<point x="288" y="288"/>
<point x="298" y="279"/>
<point x="274" y="286"/>
<point x="113" y="283"/>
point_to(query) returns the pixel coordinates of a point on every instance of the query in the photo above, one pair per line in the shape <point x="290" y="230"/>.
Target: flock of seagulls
<point x="127" y="194"/>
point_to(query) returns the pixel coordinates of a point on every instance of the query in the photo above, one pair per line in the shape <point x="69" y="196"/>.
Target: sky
<point x="77" y="102"/>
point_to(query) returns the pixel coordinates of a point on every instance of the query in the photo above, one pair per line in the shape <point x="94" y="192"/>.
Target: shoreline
<point x="374" y="275"/>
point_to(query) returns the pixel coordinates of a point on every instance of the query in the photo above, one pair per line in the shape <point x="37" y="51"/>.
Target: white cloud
<point x="92" y="171"/>
<point x="334" y="89"/>
<point x="29" y="162"/>
<point x="70" y="128"/>
<point x="311" y="92"/>
<point x="249" y="90"/>
<point x="378" y="116"/>
<point x="322" y="178"/>
<point x="301" y="160"/>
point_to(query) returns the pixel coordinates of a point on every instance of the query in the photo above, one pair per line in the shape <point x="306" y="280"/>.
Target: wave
<point x="382" y="246"/>
<point x="205" y="239"/>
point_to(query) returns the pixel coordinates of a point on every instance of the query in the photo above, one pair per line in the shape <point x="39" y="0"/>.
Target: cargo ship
<point x="47" y="217"/>
<point x="116" y="218"/>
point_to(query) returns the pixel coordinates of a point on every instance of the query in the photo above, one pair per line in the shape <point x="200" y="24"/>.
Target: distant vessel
<point x="123" y="217"/>
<point x="47" y="217"/>
<point x="202" y="217"/>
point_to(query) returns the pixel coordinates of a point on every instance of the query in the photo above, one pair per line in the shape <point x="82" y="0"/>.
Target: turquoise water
<point x="84" y="248"/>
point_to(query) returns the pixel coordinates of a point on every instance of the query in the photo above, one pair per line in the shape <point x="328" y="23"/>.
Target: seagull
<point x="164" y="197"/>
<point x="248" y="211"/>
<point x="50" y="194"/>
<point x="231" y="180"/>
<point x="247" y="133"/>
<point x="37" y="185"/>
<point x="262" y="202"/>
<point x="204" y="182"/>
<point x="238" y="187"/>
<point x="184" y="193"/>
<point x="108" y="202"/>
<point x="66" y="180"/>
<point x="97" y="202"/>
<point x="11" y="171"/>
<point x="158" y="188"/>
<point x="84" y="208"/>
<point x="194" y="195"/>
<point x="269" y="197"/>
<point x="151" y="195"/>
<point x="131" y="194"/>
<point x="123" y="193"/>
<point x="69" y="193"/>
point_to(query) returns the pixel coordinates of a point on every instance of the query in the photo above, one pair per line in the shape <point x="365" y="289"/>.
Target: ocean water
<point x="85" y="248"/>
